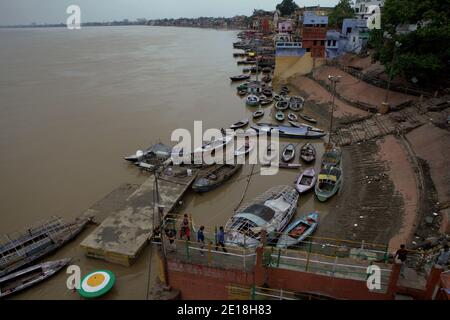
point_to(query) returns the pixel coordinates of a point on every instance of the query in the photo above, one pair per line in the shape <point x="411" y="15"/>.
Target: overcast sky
<point x="54" y="11"/>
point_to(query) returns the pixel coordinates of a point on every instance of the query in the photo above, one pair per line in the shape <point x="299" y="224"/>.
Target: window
<point x="315" y="43"/>
<point x="322" y="42"/>
<point x="334" y="42"/>
<point x="308" y="50"/>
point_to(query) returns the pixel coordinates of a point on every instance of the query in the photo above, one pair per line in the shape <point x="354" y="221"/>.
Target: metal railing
<point x="237" y="292"/>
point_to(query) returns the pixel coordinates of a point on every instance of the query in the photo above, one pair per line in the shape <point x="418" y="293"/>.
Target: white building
<point x="362" y="7"/>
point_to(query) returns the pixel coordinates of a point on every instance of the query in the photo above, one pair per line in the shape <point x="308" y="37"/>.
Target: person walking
<point x="401" y="256"/>
<point x="185" y="230"/>
<point x="201" y="238"/>
<point x="444" y="256"/>
<point x="220" y="240"/>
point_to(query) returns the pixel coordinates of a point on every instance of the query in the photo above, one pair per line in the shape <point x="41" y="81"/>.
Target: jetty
<point x="131" y="215"/>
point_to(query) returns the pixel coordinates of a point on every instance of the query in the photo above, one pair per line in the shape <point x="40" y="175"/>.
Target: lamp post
<point x="334" y="80"/>
<point x="385" y="104"/>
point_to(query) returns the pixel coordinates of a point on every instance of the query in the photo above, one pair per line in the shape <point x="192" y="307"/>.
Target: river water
<point x="73" y="103"/>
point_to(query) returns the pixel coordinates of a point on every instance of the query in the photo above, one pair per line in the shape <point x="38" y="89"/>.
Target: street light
<point x="334" y="80"/>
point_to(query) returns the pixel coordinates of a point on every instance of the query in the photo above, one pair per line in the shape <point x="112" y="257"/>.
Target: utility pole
<point x="334" y="80"/>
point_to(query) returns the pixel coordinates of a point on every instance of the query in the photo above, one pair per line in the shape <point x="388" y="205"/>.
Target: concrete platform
<point x="130" y="222"/>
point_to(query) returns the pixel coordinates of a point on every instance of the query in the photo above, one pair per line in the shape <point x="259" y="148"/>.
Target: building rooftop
<point x="310" y="17"/>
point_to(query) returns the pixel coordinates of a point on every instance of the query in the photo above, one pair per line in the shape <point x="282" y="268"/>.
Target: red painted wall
<point x="198" y="282"/>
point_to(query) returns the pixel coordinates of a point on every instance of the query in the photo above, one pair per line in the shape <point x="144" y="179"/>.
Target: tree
<point x="340" y="12"/>
<point x="422" y="54"/>
<point x="287" y="7"/>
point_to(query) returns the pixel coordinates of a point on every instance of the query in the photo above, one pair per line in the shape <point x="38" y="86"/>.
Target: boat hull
<point x="286" y="240"/>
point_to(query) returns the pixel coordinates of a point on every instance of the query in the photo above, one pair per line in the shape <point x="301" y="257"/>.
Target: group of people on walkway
<point x="185" y="233"/>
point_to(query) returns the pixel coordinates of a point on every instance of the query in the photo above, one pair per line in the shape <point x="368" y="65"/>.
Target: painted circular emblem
<point x="96" y="284"/>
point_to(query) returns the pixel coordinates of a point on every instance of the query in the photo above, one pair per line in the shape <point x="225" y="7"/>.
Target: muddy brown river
<point x="73" y="103"/>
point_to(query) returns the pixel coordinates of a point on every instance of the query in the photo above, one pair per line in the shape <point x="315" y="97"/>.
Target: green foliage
<point x="341" y="11"/>
<point x="287" y="7"/>
<point x="423" y="54"/>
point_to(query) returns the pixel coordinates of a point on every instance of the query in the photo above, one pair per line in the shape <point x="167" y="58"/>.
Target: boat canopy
<point x="278" y="204"/>
<point x="258" y="213"/>
<point x="330" y="174"/>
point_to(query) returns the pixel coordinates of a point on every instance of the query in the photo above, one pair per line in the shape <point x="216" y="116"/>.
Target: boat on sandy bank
<point x="304" y="125"/>
<point x="298" y="231"/>
<point x="292" y="117"/>
<point x="252" y="100"/>
<point x="308" y="153"/>
<point x="281" y="105"/>
<point x="287" y="131"/>
<point x="328" y="183"/>
<point x="31" y="276"/>
<point x="308" y="118"/>
<point x="332" y="157"/>
<point x="271" y="212"/>
<point x="306" y="180"/>
<point x="296" y="103"/>
<point x="279" y="116"/>
<point x="258" y="114"/>
<point x="266" y="101"/>
<point x="215" y="177"/>
<point x="288" y="153"/>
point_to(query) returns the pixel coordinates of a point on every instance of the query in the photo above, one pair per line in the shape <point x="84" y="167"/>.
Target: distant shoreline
<point x="116" y="25"/>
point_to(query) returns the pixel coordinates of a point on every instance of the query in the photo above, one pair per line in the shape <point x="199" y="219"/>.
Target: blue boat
<point x="299" y="230"/>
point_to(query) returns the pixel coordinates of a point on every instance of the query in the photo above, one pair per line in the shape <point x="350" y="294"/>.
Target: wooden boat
<point x="267" y="92"/>
<point x="246" y="70"/>
<point x="298" y="230"/>
<point x="287" y="131"/>
<point x="31" y="276"/>
<point x="281" y="105"/>
<point x="215" y="177"/>
<point x="279" y="116"/>
<point x="242" y="92"/>
<point x="308" y="153"/>
<point x="239" y="124"/>
<point x="331" y="157"/>
<point x="252" y="100"/>
<point x="277" y="97"/>
<point x="266" y="101"/>
<point x="292" y="117"/>
<point x="306" y="180"/>
<point x="308" y="118"/>
<point x="267" y="79"/>
<point x="328" y="183"/>
<point x="157" y="151"/>
<point x="267" y="70"/>
<point x="37" y="242"/>
<point x="244" y="149"/>
<point x="304" y="125"/>
<point x="213" y="145"/>
<point x="285" y="89"/>
<point x="243" y="86"/>
<point x="240" y="77"/>
<point x="258" y="114"/>
<point x="289" y="165"/>
<point x="296" y="103"/>
<point x="271" y="211"/>
<point x="288" y="153"/>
